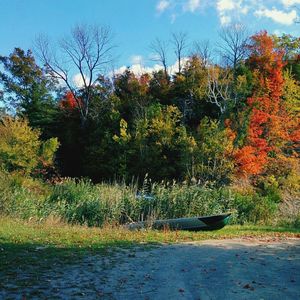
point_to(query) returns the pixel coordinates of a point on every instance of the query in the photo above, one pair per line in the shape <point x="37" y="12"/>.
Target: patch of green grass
<point x="62" y="235"/>
<point x="23" y="241"/>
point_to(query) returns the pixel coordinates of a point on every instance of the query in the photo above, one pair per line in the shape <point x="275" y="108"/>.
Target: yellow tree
<point x="21" y="148"/>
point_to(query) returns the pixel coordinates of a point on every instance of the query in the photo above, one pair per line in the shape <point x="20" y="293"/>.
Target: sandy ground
<point x="224" y="269"/>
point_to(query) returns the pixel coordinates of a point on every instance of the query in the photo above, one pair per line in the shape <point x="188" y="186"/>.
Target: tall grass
<point x="82" y="202"/>
<point x="94" y="205"/>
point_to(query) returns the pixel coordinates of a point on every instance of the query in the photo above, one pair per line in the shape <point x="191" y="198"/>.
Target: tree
<point x="85" y="53"/>
<point x="224" y="83"/>
<point x="291" y="94"/>
<point x="212" y="158"/>
<point x="289" y="44"/>
<point x="160" y="50"/>
<point x="27" y="90"/>
<point x="233" y="46"/>
<point x="180" y="44"/>
<point x="133" y="92"/>
<point x="188" y="92"/>
<point x="291" y="47"/>
<point x="21" y="148"/>
<point x="203" y="51"/>
<point x="271" y="129"/>
<point x="157" y="142"/>
<point x="219" y="88"/>
<point x="159" y="87"/>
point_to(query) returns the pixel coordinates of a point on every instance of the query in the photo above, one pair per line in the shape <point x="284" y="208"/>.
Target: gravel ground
<point x="217" y="269"/>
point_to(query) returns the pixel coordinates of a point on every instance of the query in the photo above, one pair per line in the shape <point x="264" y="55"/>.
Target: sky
<point x="136" y="23"/>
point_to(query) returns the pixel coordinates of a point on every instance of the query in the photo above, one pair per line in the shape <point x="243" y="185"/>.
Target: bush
<point x="255" y="208"/>
<point x="21" y="149"/>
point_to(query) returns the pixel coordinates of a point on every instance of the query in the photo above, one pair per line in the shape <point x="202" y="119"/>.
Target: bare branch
<point x="86" y="51"/>
<point x="219" y="88"/>
<point x="203" y="51"/>
<point x="234" y="39"/>
<point x="180" y="43"/>
<point x="160" y="50"/>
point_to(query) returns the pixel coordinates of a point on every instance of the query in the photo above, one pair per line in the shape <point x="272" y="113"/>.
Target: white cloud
<point x="225" y="20"/>
<point x="244" y="10"/>
<point x="173" y="69"/>
<point x="224" y="5"/>
<point x="136" y="59"/>
<point x="234" y="11"/>
<point x="118" y="71"/>
<point x="278" y="16"/>
<point x="231" y="9"/>
<point x="78" y="80"/>
<point x="140" y="69"/>
<point x="288" y="3"/>
<point x="162" y="5"/>
<point x="191" y="5"/>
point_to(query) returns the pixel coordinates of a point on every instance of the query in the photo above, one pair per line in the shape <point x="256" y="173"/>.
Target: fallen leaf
<point x="248" y="286"/>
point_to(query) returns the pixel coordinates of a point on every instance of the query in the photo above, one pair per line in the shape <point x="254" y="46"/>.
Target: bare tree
<point x="222" y="82"/>
<point x="203" y="51"/>
<point x="233" y="46"/>
<point x="86" y="53"/>
<point x="160" y="50"/>
<point x="219" y="88"/>
<point x="180" y="44"/>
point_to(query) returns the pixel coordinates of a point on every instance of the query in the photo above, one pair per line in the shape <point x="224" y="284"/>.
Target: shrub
<point x="254" y="208"/>
<point x="20" y="146"/>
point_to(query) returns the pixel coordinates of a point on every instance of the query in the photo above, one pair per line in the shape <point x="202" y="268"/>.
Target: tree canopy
<point x="205" y="121"/>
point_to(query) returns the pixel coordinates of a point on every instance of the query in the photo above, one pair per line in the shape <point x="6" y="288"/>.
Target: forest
<point x="219" y="131"/>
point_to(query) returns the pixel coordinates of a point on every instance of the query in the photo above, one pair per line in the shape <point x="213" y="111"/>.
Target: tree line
<point x="208" y="121"/>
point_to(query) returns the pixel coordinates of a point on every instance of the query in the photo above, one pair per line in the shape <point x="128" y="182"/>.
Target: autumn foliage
<point x="68" y="102"/>
<point x="270" y="127"/>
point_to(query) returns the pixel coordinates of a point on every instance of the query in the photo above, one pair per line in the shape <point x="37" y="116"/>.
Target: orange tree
<point x="272" y="132"/>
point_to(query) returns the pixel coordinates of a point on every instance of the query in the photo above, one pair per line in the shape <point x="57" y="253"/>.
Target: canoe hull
<point x="190" y="224"/>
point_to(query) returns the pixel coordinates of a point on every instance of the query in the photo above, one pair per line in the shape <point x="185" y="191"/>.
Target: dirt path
<point x="225" y="269"/>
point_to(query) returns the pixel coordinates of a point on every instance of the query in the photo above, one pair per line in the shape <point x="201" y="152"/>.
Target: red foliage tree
<point x="68" y="102"/>
<point x="269" y="125"/>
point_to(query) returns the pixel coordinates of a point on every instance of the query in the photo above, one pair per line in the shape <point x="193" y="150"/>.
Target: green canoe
<point x="191" y="224"/>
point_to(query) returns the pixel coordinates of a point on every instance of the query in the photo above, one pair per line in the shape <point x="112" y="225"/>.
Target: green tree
<point x="27" y="90"/>
<point x="133" y="92"/>
<point x="291" y="47"/>
<point x="159" y="87"/>
<point x="291" y="94"/>
<point x="188" y="92"/>
<point x="159" y="144"/>
<point x="213" y="159"/>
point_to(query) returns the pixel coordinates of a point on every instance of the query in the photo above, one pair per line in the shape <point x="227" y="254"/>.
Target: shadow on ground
<point x="226" y="269"/>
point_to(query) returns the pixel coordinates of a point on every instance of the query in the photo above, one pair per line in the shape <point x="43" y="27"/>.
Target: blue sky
<point x="135" y="23"/>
